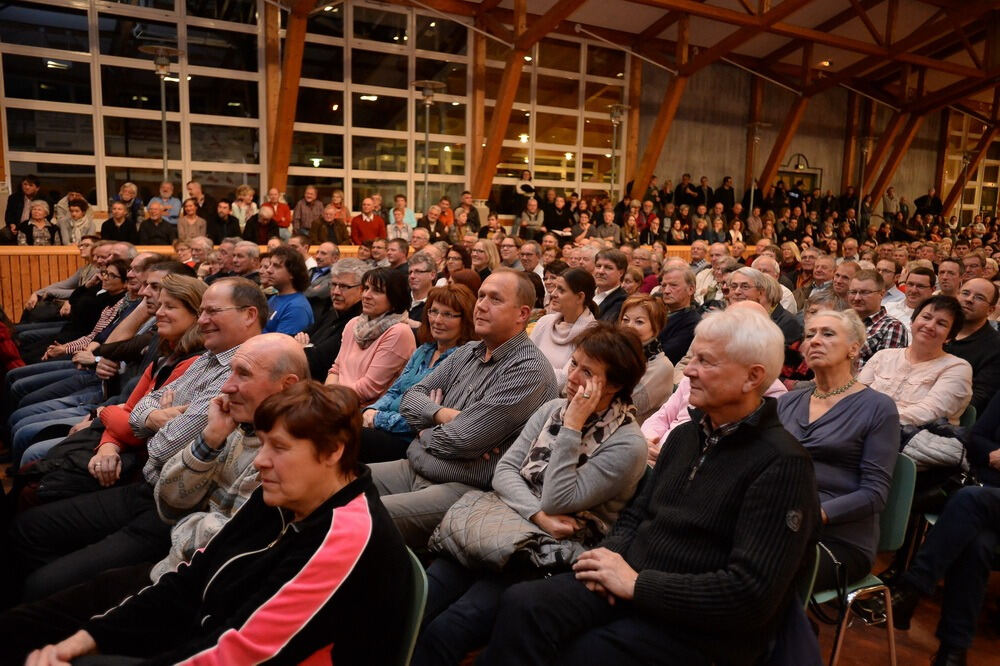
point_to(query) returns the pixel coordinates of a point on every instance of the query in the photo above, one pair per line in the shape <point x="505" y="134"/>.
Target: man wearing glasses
<point x="919" y="287"/>
<point x="882" y="331"/>
<point x="978" y="342"/>
<point x="322" y="340"/>
<point x="421" y="278"/>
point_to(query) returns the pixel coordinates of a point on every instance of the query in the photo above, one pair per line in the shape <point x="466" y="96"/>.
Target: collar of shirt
<point x="714" y="435"/>
<point x="319" y="272"/>
<point x="502" y="350"/>
<point x="875" y="317"/>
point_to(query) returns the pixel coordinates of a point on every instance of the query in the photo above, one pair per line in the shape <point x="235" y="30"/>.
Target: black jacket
<point x="676" y="336"/>
<point x="126" y="233"/>
<point x="325" y="336"/>
<point x="611" y="306"/>
<point x="267" y="590"/>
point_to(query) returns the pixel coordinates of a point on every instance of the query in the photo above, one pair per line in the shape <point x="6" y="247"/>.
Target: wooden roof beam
<point x="863" y="15"/>
<point x="896" y="156"/>
<point x="784" y="139"/>
<point x="828" y="25"/>
<point x="549" y="20"/>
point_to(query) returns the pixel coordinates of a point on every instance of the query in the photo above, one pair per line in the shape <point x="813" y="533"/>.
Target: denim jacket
<point x="388" y="417"/>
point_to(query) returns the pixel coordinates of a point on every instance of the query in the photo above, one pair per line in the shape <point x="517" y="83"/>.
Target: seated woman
<point x="455" y="260"/>
<point x="180" y="345"/>
<point x="926" y="383"/>
<point x="295" y="594"/>
<point x="377" y="343"/>
<point x="560" y="486"/>
<point x="484" y="257"/>
<point x="852" y="434"/>
<point x="572" y="302"/>
<point x="446" y="324"/>
<point x="550" y="274"/>
<point x="647" y="316"/>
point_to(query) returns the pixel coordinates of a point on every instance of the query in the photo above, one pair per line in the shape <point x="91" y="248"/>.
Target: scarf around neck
<point x="367" y="331"/>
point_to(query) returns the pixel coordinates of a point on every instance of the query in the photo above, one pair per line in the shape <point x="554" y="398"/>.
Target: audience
<point x="646" y="316"/>
<point x="290" y="312"/>
<point x="573" y="310"/>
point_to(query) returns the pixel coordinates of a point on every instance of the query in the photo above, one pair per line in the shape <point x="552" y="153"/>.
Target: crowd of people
<point x="600" y="449"/>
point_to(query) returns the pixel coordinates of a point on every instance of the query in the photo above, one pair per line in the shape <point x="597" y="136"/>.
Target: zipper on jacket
<point x="284" y="528"/>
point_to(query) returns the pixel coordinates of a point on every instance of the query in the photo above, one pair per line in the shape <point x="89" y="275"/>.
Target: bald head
<point x="753" y="306"/>
<point x="262" y="366"/>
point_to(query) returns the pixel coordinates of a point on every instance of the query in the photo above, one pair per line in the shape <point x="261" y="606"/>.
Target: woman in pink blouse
<point x="377" y="343"/>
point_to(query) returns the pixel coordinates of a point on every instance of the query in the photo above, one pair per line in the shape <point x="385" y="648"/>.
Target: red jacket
<point x="362" y="231"/>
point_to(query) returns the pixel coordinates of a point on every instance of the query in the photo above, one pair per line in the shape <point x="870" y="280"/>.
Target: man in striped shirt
<point x="468" y="411"/>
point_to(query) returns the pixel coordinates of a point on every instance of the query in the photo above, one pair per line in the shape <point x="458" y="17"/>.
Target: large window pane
<point x="446" y="118"/>
<point x="605" y="62"/>
<point x="40" y="25"/>
<point x="434" y="34"/>
<point x="380" y="26"/>
<point x="135" y="89"/>
<point x="369" y="68"/>
<point x="30" y="77"/>
<point x="50" y="132"/>
<point x="523" y="94"/>
<point x="147" y="180"/>
<point x="364" y="187"/>
<point x="317" y="150"/>
<point x="315" y="105"/>
<point x="221" y="48"/>
<point x="222" y="143"/>
<point x="601" y="95"/>
<point x="596" y="168"/>
<point x="328" y="22"/>
<point x="452" y="74"/>
<point x="991" y="173"/>
<point x="296" y="186"/>
<point x="322" y="61"/>
<point x="223" y="97"/>
<point x="238" y="11"/>
<point x="445" y="158"/>
<point x="370" y="153"/>
<point x="597" y="133"/>
<point x="513" y="160"/>
<point x="56" y="180"/>
<point x="557" y="91"/>
<point x="379" y="112"/>
<point x="518" y="127"/>
<point x="552" y="128"/>
<point x="135" y="137"/>
<point x="153" y="4"/>
<point x="434" y="193"/>
<point x="122" y="36"/>
<point x="553" y="165"/>
<point x="223" y="185"/>
<point x="557" y="54"/>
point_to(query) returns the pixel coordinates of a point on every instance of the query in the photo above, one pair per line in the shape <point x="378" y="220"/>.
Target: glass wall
<point x="983" y="184"/>
<point x="359" y="124"/>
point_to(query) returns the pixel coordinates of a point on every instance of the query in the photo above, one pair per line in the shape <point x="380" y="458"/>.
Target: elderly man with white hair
<point x="656" y="591"/>
<point x="769" y="266"/>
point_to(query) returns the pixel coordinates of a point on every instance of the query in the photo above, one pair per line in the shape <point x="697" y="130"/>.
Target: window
<point x="152" y="4"/>
<point x="552" y="128"/>
<point x="435" y="34"/>
<point x="322" y="61"/>
<point x="379" y="112"/>
<point x="370" y="153"/>
<point x="137" y="137"/>
<point x="223" y="185"/>
<point x="557" y="91"/>
<point x="523" y="94"/>
<point x="224" y="49"/>
<point x="380" y="26"/>
<point x="31" y="77"/>
<point x="444" y="158"/>
<point x="295" y="188"/>
<point x="135" y="89"/>
<point x="40" y="25"/>
<point x="609" y="63"/>
<point x="324" y="107"/>
<point x="56" y="180"/>
<point x="50" y="132"/>
<point x="329" y="22"/>
<point x="238" y="11"/>
<point x="364" y="187"/>
<point x="369" y="68"/>
<point x="224" y="143"/>
<point x="599" y="96"/>
<point x="147" y="180"/>
<point x="557" y="54"/>
<point x="223" y="97"/>
<point x="452" y="74"/>
<point x="553" y="165"/>
<point x="317" y="150"/>
<point x="122" y="36"/>
<point x="446" y="117"/>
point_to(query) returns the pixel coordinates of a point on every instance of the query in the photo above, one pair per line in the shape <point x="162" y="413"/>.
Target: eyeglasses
<point x="212" y="312"/>
<point x="913" y="285"/>
<point x="443" y="315"/>
<point x="414" y="271"/>
<point x="976" y="297"/>
<point x="863" y="293"/>
<point x="342" y="286"/>
<point x="741" y="286"/>
<point x="109" y="274"/>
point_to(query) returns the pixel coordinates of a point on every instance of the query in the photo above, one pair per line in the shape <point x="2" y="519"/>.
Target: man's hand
<point x="220" y="422"/>
<point x="62" y="653"/>
<point x="995" y="459"/>
<point x="302" y="338"/>
<point x="84" y="358"/>
<point x="368" y="418"/>
<point x="609" y="570"/>
<point x="652" y="451"/>
<point x="160" y="417"/>
<point x="106" y="465"/>
<point x="445" y="414"/>
<point x="84" y="423"/>
<point x="106" y="368"/>
<point x="65" y="309"/>
<point x="54" y="351"/>
<point x="32" y="301"/>
<point x="559" y="526"/>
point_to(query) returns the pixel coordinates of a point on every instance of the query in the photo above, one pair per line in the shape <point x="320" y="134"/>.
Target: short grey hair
<point x="748" y="338"/>
<point x="773" y="269"/>
<point x="40" y="203"/>
<point x="685" y="270"/>
<point x="851" y="322"/>
<point x="351" y="266"/>
<point x="826" y="297"/>
<point x="252" y="248"/>
<point x="765" y="284"/>
<point x="588" y="250"/>
<point x="423" y="260"/>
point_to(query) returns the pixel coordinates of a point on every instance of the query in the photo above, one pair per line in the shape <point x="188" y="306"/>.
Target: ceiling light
<point x="620" y="74"/>
<point x="825" y="63"/>
<point x="527" y="114"/>
<point x="455" y="103"/>
<point x="171" y="79"/>
<point x="433" y="24"/>
<point x="523" y="138"/>
<point x="335" y="107"/>
<point x="447" y="149"/>
<point x="527" y="58"/>
<point x="568" y="156"/>
<point x="525" y="160"/>
<point x="607" y="154"/>
<point x="233" y="104"/>
<point x="316" y="161"/>
<point x="328" y="8"/>
<point x="55" y="64"/>
<point x="369" y="98"/>
<point x="395" y="38"/>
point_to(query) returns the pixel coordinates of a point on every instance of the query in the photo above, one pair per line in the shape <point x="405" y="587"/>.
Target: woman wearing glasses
<point x="446" y="324"/>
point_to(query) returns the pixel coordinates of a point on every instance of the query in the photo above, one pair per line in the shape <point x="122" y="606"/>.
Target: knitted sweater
<point x="717" y="544"/>
<point x="200" y="496"/>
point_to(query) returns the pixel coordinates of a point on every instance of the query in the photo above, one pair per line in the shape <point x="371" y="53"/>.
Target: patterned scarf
<point x="652" y="348"/>
<point x="367" y="331"/>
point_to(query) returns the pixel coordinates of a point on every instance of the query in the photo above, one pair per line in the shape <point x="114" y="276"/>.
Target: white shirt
<point x="892" y="295"/>
<point x="900" y="311"/>
<point x="788" y="299"/>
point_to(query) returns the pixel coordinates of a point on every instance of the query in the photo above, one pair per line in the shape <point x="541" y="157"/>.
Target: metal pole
<point x="861" y="183"/>
<point x="163" y="122"/>
<point x="614" y="142"/>
<point x="753" y="186"/>
<point x="427" y="151"/>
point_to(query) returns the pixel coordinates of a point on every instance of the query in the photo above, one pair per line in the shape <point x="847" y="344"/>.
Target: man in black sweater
<point x="699" y="568"/>
<point x="978" y="342"/>
<point x="322" y="339"/>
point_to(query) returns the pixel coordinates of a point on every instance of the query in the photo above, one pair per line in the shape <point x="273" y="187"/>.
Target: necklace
<point x="836" y="391"/>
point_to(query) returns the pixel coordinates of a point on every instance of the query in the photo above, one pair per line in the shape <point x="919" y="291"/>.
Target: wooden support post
<point x="942" y="150"/>
<point x="291" y="71"/>
<point x="849" y="169"/>
<point x="784" y="139"/>
<point x="634" y="105"/>
<point x="978" y="153"/>
<point x="272" y="68"/>
<point x="478" y="110"/>
<point x="881" y="150"/>
<point x="906" y="137"/>
<point x="756" y="104"/>
<point x="664" y="117"/>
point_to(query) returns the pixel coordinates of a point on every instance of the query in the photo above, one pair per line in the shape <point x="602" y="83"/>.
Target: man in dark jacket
<point x="223" y="225"/>
<point x="657" y="591"/>
<point x="18" y="202"/>
<point x="677" y="291"/>
<point x="609" y="269"/>
<point x="322" y="339"/>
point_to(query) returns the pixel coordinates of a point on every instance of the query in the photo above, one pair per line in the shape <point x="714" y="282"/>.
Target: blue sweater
<point x="290" y="314"/>
<point x="388" y="417"/>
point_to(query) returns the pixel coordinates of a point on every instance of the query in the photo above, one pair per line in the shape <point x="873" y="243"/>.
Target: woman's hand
<point x="652" y="451"/>
<point x="368" y="418"/>
<point x="106" y="465"/>
<point x="84" y="423"/>
<point x="302" y="338"/>
<point x="53" y="351"/>
<point x="62" y="653"/>
<point x="560" y="526"/>
<point x="583" y="404"/>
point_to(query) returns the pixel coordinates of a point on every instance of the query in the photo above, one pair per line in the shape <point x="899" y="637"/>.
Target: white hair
<point x="749" y="338"/>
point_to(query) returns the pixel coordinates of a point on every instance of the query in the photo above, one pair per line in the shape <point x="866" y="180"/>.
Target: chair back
<point x="807" y="576"/>
<point x="896" y="514"/>
<point x="416" y="610"/>
<point x="968" y="417"/>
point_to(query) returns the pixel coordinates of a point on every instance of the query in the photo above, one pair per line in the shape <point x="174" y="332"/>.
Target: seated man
<point x="468" y="411"/>
<point x="882" y="331"/>
<point x="978" y="342"/>
<point x="698" y="569"/>
<point x="65" y="542"/>
<point x="290" y="312"/>
<point x="199" y="490"/>
<point x="322" y="340"/>
<point x="677" y="284"/>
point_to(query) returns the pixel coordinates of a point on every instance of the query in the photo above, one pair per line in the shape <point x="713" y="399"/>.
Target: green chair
<point x="892" y="526"/>
<point x="416" y="614"/>
<point x="968" y="417"/>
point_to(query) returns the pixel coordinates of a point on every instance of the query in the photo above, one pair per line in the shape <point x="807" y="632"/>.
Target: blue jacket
<point x="388" y="417"/>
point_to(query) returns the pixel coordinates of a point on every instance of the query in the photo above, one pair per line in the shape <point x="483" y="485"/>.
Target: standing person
<point x="19" y="202"/>
<point x="244" y="207"/>
<point x="290" y="312"/>
<point x="282" y="213"/>
<point x="171" y="205"/>
<point x="399" y="203"/>
<point x="470" y="208"/>
<point x="224" y="224"/>
<point x="207" y="206"/>
<point x="307" y="211"/>
<point x="367" y="226"/>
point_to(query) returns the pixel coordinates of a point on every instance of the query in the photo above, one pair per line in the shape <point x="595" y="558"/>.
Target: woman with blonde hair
<point x="485" y="257"/>
<point x="243" y="207"/>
